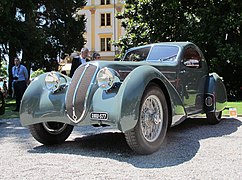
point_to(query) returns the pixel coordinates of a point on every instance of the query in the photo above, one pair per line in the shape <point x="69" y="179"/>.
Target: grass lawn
<point x="237" y="105"/>
<point x="9" y="106"/>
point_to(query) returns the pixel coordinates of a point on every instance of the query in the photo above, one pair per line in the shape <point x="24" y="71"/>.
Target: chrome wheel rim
<point x="151" y="118"/>
<point x="54" y="127"/>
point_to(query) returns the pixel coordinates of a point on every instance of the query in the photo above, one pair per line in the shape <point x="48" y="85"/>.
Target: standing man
<point x="96" y="56"/>
<point x="76" y="62"/>
<point x="20" y="80"/>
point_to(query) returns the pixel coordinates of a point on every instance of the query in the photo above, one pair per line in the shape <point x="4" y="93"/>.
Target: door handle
<point x="182" y="71"/>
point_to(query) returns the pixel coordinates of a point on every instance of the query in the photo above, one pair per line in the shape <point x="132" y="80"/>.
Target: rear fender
<point x="215" y="94"/>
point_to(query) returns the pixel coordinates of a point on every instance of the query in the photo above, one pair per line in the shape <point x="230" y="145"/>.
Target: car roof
<point x="180" y="44"/>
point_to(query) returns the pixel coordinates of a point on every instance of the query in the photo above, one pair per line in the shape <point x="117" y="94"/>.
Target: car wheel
<point x="150" y="130"/>
<point x="49" y="133"/>
<point x="214" y="117"/>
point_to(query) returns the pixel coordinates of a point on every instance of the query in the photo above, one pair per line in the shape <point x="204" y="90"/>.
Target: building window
<point x="105" y="44"/>
<point x="106" y="19"/>
<point x="104" y="2"/>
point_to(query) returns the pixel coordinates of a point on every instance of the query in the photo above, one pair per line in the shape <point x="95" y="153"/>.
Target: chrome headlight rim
<point x="106" y="78"/>
<point x="52" y="81"/>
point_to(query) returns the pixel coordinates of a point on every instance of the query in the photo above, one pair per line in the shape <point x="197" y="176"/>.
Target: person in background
<point x="20" y="80"/>
<point x="77" y="61"/>
<point x="96" y="56"/>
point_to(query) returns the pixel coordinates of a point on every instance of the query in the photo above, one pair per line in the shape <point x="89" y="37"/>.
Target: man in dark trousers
<point x="20" y="80"/>
<point x="77" y="61"/>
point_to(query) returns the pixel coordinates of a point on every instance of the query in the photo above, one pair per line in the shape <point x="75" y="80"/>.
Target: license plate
<point x="99" y="115"/>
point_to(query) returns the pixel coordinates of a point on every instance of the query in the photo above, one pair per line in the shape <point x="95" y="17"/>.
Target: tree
<point x="215" y="26"/>
<point x="63" y="33"/>
<point x="223" y="43"/>
<point x="41" y="30"/>
<point x="10" y="33"/>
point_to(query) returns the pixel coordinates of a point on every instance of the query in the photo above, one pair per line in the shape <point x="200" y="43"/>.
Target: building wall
<point x="94" y="30"/>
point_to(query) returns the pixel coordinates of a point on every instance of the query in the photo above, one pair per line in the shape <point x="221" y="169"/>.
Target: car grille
<point x="79" y="90"/>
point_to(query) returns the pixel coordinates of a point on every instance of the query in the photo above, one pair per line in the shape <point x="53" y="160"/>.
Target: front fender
<point x="215" y="94"/>
<point x="132" y="90"/>
<point x="40" y="105"/>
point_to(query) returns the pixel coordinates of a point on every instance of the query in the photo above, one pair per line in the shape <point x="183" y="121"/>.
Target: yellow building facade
<point x="102" y="27"/>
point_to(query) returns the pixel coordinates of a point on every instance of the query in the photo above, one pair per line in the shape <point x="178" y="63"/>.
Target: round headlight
<point x="52" y="81"/>
<point x="105" y="78"/>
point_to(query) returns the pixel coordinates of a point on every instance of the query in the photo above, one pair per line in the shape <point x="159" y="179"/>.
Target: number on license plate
<point x="99" y="115"/>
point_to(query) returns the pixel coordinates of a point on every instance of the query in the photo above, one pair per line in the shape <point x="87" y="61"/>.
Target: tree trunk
<point x="12" y="55"/>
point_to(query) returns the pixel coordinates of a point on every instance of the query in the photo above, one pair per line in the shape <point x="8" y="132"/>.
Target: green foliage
<point x="10" y="27"/>
<point x="36" y="73"/>
<point x="63" y="33"/>
<point x="3" y="70"/>
<point x="43" y="30"/>
<point x="237" y="105"/>
<point x="215" y="26"/>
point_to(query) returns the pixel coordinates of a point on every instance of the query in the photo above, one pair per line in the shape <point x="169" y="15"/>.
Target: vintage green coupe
<point x="154" y="87"/>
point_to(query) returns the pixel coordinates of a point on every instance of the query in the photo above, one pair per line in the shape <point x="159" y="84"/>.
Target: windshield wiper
<point x="167" y="58"/>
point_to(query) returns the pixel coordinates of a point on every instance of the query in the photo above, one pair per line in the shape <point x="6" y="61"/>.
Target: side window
<point x="137" y="55"/>
<point x="191" y="58"/>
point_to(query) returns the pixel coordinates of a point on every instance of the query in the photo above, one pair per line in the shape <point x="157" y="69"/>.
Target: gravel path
<point x="192" y="150"/>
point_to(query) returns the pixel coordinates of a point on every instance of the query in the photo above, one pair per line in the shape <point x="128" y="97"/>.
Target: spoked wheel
<point x="150" y="130"/>
<point x="214" y="117"/>
<point x="49" y="133"/>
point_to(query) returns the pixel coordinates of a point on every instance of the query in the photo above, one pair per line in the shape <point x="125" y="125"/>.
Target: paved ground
<point x="192" y="150"/>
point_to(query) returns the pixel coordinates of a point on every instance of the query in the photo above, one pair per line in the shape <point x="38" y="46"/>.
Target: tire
<point x="214" y="117"/>
<point x="50" y="133"/>
<point x="153" y="115"/>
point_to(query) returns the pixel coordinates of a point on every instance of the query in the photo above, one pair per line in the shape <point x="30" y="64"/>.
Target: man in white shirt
<point x="20" y="79"/>
<point x="76" y="62"/>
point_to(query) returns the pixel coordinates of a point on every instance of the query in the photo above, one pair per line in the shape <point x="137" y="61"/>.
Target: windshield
<point x="156" y="53"/>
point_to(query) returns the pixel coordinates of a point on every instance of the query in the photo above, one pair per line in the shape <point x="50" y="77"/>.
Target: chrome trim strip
<point x="124" y="71"/>
<point x="168" y="72"/>
<point x="74" y="117"/>
<point x="65" y="101"/>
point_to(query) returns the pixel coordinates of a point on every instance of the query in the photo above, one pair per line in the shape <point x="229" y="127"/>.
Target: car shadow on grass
<point x="181" y="144"/>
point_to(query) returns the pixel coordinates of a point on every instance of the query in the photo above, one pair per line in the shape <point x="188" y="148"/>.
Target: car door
<point x="192" y="75"/>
